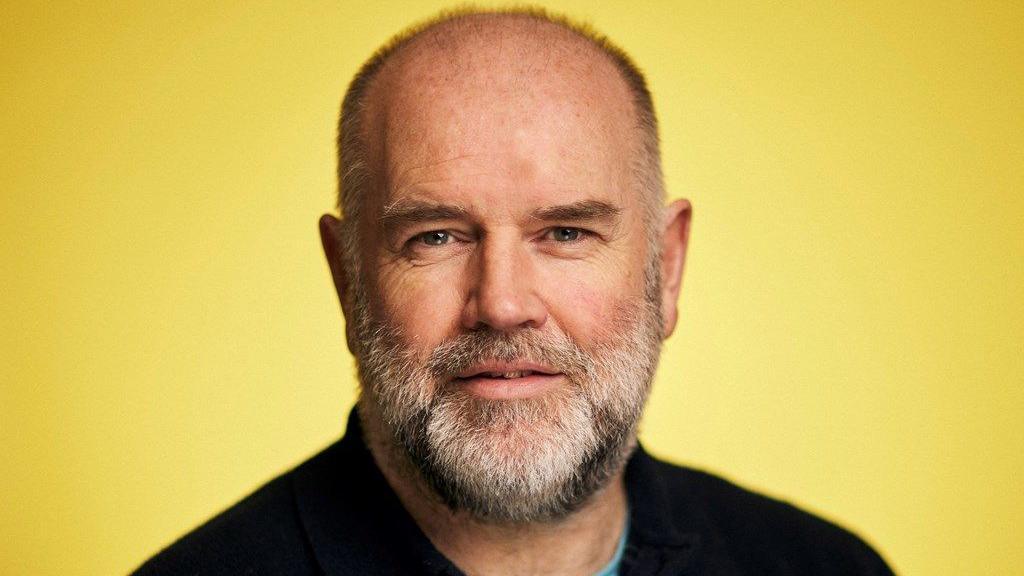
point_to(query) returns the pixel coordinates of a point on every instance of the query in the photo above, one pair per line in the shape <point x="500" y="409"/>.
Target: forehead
<point x="533" y="108"/>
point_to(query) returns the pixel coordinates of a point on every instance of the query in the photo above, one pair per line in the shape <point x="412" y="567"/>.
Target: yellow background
<point x="852" y="320"/>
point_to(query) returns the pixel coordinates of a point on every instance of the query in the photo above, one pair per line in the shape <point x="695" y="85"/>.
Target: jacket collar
<point x="355" y="523"/>
<point x="661" y="540"/>
<point x="353" y="520"/>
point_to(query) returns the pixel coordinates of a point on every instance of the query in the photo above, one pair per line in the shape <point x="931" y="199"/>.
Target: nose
<point x="503" y="294"/>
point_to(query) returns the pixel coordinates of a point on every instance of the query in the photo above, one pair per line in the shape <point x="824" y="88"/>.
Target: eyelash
<point x="580" y="235"/>
<point x="423" y="236"/>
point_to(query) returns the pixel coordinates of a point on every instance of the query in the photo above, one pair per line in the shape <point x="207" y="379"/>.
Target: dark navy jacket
<point x="335" y="514"/>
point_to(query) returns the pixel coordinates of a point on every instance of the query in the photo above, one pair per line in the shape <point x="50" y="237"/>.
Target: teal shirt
<point x="612" y="567"/>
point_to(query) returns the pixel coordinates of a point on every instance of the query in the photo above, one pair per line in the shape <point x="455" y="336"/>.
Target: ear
<point x="330" y="237"/>
<point x="674" y="239"/>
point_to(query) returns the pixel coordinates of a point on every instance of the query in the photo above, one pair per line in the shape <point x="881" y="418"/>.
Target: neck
<point x="579" y="544"/>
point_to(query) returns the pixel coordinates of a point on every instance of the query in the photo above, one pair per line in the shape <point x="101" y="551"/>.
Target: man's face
<point x="509" y="327"/>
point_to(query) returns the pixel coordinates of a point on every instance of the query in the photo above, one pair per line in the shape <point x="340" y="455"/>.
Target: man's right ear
<point x="330" y="237"/>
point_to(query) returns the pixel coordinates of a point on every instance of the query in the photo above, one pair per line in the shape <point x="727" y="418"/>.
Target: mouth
<point x="508" y="380"/>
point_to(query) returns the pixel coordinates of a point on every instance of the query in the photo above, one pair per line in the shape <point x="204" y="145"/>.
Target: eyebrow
<point x="402" y="214"/>
<point x="399" y="215"/>
<point x="577" y="211"/>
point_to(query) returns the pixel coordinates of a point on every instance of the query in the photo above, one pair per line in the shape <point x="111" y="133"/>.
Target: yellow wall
<point x="852" y="319"/>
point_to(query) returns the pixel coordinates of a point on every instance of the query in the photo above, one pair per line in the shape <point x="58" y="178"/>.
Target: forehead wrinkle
<point x="405" y="172"/>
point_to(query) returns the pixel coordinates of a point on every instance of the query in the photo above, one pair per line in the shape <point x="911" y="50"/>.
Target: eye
<point x="433" y="238"/>
<point x="565" y="234"/>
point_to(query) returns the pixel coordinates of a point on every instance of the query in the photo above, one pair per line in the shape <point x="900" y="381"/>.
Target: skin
<point x="504" y="200"/>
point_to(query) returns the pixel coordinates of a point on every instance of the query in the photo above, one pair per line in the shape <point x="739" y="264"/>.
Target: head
<point x="505" y="262"/>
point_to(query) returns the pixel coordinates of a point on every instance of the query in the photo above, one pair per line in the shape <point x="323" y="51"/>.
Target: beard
<point x="514" y="460"/>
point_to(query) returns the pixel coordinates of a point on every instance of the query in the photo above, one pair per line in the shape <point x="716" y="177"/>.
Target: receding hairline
<point x="468" y="32"/>
<point x="474" y="21"/>
<point x="452" y="26"/>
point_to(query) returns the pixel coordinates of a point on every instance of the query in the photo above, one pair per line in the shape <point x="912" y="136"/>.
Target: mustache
<point x="554" y="349"/>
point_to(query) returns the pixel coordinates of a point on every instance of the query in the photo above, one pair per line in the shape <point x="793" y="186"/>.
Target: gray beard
<point x="520" y="460"/>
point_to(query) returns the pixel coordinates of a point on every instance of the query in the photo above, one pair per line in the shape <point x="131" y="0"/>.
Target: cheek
<point x="423" y="306"/>
<point x="585" y="308"/>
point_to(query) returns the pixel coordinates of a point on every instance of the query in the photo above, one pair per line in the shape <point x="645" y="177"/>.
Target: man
<point x="508" y="271"/>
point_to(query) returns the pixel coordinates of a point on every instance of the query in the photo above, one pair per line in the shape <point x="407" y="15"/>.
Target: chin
<point x="516" y="461"/>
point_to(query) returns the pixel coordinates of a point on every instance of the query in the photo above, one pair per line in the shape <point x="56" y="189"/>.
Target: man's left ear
<point x="674" y="239"/>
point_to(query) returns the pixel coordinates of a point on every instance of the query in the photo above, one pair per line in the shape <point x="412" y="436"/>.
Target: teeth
<point x="512" y="374"/>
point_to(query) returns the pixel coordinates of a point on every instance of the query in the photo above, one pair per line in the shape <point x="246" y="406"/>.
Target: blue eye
<point x="566" y="234"/>
<point x="434" y="238"/>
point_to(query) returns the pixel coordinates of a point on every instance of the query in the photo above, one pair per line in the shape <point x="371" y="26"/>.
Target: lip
<point x="480" y="379"/>
<point x="484" y="368"/>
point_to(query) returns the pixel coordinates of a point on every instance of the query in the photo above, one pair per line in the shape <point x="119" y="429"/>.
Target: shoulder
<point x="261" y="534"/>
<point x="761" y="534"/>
